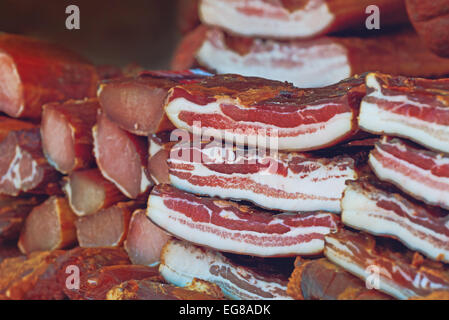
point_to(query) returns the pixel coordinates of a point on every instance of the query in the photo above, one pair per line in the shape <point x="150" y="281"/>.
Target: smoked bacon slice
<point x="413" y="108"/>
<point x="231" y="227"/>
<point x="274" y="180"/>
<point x="266" y="113"/>
<point x="386" y="265"/>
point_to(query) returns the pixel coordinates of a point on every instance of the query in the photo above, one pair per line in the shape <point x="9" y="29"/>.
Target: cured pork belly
<point x="412" y="108"/>
<point x="398" y="272"/>
<point x="420" y="227"/>
<point x="420" y="173"/>
<point x="182" y="262"/>
<point x="279" y="181"/>
<point x="266" y="113"/>
<point x="230" y="227"/>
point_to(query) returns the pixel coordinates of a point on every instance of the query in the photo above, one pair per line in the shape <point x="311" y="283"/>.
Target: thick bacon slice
<point x="422" y="174"/>
<point x="230" y="227"/>
<point x="382" y="262"/>
<point x="34" y="72"/>
<point x="266" y="113"/>
<point x="66" y="131"/>
<point x="322" y="280"/>
<point x="121" y="157"/>
<point x="376" y="211"/>
<point x="279" y="181"/>
<point x="136" y="103"/>
<point x="182" y="262"/>
<point x="294" y="19"/>
<point x="413" y="108"/>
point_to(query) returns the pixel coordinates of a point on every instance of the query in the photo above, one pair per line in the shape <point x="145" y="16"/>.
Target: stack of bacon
<point x="314" y="43"/>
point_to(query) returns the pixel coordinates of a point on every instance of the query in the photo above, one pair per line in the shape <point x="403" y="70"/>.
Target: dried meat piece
<point x="159" y="152"/>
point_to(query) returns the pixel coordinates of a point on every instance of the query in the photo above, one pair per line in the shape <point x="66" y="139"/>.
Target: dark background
<point x="115" y="32"/>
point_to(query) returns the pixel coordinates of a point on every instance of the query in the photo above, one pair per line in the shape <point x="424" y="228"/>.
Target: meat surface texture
<point x="265" y="113"/>
<point x="159" y="152"/>
<point x="412" y="108"/>
<point x="230" y="227"/>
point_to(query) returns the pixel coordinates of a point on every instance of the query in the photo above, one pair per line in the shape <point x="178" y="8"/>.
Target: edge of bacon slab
<point x="267" y="113"/>
<point x="121" y="157"/>
<point x="419" y="227"/>
<point x="413" y="108"/>
<point x="230" y="227"/>
<point x="420" y="173"/>
<point x="35" y="72"/>
<point x="136" y="103"/>
<point x="182" y="262"/>
<point x="66" y="132"/>
<point x="279" y="181"/>
<point x="398" y="273"/>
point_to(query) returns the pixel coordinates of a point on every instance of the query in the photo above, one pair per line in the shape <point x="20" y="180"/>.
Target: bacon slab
<point x="34" y="72"/>
<point x="66" y="131"/>
<point x="266" y="113"/>
<point x="279" y="181"/>
<point x="144" y="240"/>
<point x="412" y="108"/>
<point x="121" y="157"/>
<point x="136" y="103"/>
<point x="398" y="272"/>
<point x="294" y="19"/>
<point x="182" y="262"/>
<point x="88" y="192"/>
<point x="230" y="227"/>
<point x="322" y="280"/>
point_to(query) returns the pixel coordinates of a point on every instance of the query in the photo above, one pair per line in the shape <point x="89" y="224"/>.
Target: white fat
<point x="13" y="173"/>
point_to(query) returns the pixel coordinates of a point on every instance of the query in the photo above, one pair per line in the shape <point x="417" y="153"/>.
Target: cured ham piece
<point x="49" y="226"/>
<point x="8" y="124"/>
<point x="106" y="228"/>
<point x="145" y="240"/>
<point x="383" y="263"/>
<point x="182" y="262"/>
<point x="88" y="192"/>
<point x="66" y="131"/>
<point x="309" y="63"/>
<point x="121" y="157"/>
<point x="421" y="228"/>
<point x="279" y="181"/>
<point x="322" y="280"/>
<point x="411" y="108"/>
<point x="9" y="251"/>
<point x="23" y="167"/>
<point x="230" y="227"/>
<point x="136" y="103"/>
<point x="430" y="19"/>
<point x="34" y="72"/>
<point x="187" y="15"/>
<point x="159" y="152"/>
<point x="420" y="173"/>
<point x="295" y="19"/>
<point x="265" y="113"/>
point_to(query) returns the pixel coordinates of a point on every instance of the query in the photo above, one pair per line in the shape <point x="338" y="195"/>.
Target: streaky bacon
<point x="413" y="108"/>
<point x="231" y="227"/>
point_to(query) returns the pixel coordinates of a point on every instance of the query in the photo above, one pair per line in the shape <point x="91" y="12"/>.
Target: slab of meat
<point x="9" y="251"/>
<point x="431" y="20"/>
<point x="265" y="113"/>
<point x="310" y="63"/>
<point x="9" y="124"/>
<point x="23" y="167"/>
<point x="412" y="108"/>
<point x="187" y="15"/>
<point x="279" y="181"/>
<point x="49" y="226"/>
<point x="66" y="131"/>
<point x="159" y="152"/>
<point x="384" y="263"/>
<point x="34" y="72"/>
<point x="322" y="280"/>
<point x="145" y="240"/>
<point x="230" y="227"/>
<point x="297" y="18"/>
<point x="121" y="157"/>
<point x="136" y="103"/>
<point x="182" y="262"/>
<point x="88" y="192"/>
<point x="422" y="174"/>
